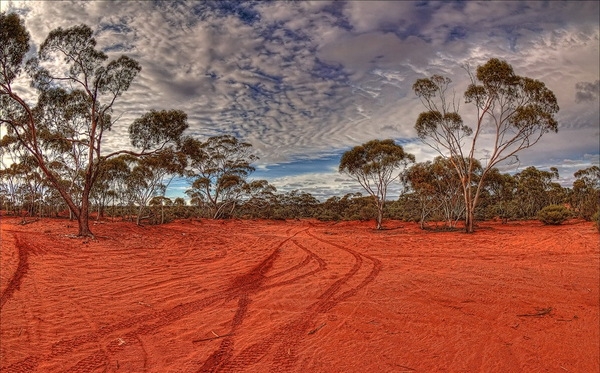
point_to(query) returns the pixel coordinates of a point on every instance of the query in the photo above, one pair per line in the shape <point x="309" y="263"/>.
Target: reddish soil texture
<point x="299" y="296"/>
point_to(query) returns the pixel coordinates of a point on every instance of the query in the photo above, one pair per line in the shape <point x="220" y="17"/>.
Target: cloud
<point x="587" y="91"/>
<point x="307" y="80"/>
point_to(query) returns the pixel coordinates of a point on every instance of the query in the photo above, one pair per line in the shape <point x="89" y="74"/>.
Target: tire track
<point x="377" y="267"/>
<point x="240" y="287"/>
<point x="291" y="334"/>
<point x="221" y="359"/>
<point x="243" y="286"/>
<point x="285" y="339"/>
<point x="22" y="268"/>
<point x="310" y="257"/>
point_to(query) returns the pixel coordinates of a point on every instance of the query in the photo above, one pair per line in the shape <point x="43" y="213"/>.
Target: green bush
<point x="328" y="216"/>
<point x="554" y="214"/>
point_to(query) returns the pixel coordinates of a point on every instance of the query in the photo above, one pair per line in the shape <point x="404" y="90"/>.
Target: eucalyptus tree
<point x="111" y="183"/>
<point x="151" y="175"/>
<point x="534" y="190"/>
<point x="515" y="111"/>
<point x="218" y="169"/>
<point x="422" y="192"/>
<point x="348" y="207"/>
<point x="76" y="88"/>
<point x="375" y="165"/>
<point x="160" y="201"/>
<point x="32" y="188"/>
<point x="437" y="189"/>
<point x="13" y="171"/>
<point x="295" y="204"/>
<point x="179" y="202"/>
<point x="500" y="195"/>
<point x="10" y="180"/>
<point x="259" y="200"/>
<point x="585" y="197"/>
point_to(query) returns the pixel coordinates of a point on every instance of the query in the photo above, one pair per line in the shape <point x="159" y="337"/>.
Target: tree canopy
<point x="77" y="87"/>
<point x="219" y="168"/>
<point x="517" y="111"/>
<point x="375" y="164"/>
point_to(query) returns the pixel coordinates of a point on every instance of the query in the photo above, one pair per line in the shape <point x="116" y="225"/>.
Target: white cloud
<point x="366" y="16"/>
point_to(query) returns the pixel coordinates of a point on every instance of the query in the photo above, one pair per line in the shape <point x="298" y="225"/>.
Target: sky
<point x="305" y="81"/>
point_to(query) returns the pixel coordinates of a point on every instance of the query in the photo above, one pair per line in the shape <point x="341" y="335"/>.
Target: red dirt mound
<point x="303" y="296"/>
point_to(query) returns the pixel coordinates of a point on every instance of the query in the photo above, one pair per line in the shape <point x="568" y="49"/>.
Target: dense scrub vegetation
<point x="523" y="195"/>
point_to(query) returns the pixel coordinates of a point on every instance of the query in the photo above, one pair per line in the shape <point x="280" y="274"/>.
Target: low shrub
<point x="554" y="214"/>
<point x="328" y="216"/>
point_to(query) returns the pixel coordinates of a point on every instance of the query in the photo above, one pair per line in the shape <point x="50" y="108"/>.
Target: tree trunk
<point x="83" y="218"/>
<point x="84" y="221"/>
<point x="469" y="207"/>
<point x="101" y="209"/>
<point x="139" y="215"/>
<point x="162" y="212"/>
<point x="469" y="220"/>
<point x="232" y="208"/>
<point x="84" y="226"/>
<point x="379" y="214"/>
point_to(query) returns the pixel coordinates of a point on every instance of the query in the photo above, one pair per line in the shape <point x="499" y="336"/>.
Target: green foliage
<point x="374" y="165"/>
<point x="294" y="204"/>
<point x="64" y="130"/>
<point x="437" y="190"/>
<point x="219" y="168"/>
<point x="430" y="122"/>
<point x="498" y="198"/>
<point x="585" y="197"/>
<point x="157" y="128"/>
<point x="14" y="39"/>
<point x="328" y="216"/>
<point x="554" y="214"/>
<point x="535" y="189"/>
<point x="352" y="206"/>
<point x="376" y="157"/>
<point x="150" y="176"/>
<point x="516" y="110"/>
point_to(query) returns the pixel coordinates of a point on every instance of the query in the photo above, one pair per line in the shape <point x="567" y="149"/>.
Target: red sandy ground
<point x="299" y="296"/>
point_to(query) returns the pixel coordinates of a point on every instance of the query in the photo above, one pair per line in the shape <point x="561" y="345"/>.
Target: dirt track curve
<point x="17" y="277"/>
<point x="287" y="297"/>
<point x="350" y="275"/>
